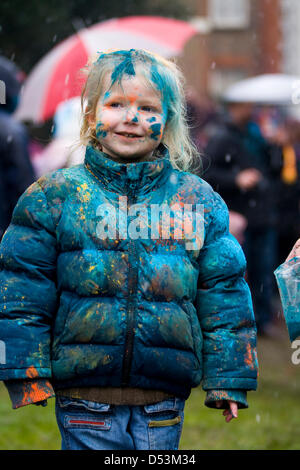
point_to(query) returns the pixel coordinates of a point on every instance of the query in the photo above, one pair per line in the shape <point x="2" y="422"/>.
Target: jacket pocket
<point x="84" y="414"/>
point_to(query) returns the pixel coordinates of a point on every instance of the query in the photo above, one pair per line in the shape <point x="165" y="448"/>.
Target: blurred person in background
<point x="243" y="169"/>
<point x="64" y="150"/>
<point x="201" y="115"/>
<point x="203" y="121"/>
<point x="287" y="138"/>
<point x="16" y="172"/>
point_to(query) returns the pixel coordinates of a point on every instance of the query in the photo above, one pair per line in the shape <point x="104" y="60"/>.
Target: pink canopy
<point x="57" y="76"/>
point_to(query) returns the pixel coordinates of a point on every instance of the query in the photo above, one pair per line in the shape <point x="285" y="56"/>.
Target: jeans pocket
<point x="79" y="404"/>
<point x="171" y="404"/>
<point x="165" y="421"/>
<point x="74" y="413"/>
<point x="87" y="421"/>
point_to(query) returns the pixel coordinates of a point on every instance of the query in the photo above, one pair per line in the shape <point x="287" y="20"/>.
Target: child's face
<point x="129" y="119"/>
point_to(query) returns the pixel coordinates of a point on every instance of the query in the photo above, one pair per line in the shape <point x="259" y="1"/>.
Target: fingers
<point x="232" y="412"/>
<point x="234" y="408"/>
<point x="295" y="251"/>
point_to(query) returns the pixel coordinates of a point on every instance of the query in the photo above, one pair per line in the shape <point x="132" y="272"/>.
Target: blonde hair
<point x="163" y="76"/>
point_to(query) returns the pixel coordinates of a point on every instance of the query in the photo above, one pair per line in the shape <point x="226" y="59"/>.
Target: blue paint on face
<point x="100" y="132"/>
<point x="124" y="62"/>
<point x="153" y="119"/>
<point x="135" y="119"/>
<point x="156" y="131"/>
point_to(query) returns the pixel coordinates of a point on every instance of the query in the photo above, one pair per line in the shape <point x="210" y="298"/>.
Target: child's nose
<point x="132" y="115"/>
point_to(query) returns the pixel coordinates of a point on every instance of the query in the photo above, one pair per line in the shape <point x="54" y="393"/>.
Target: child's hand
<point x="41" y="403"/>
<point x="230" y="413"/>
<point x="248" y="179"/>
<point x="295" y="251"/>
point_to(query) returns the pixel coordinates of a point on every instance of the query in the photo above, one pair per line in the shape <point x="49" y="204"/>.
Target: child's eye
<point x="148" y="109"/>
<point x="115" y="104"/>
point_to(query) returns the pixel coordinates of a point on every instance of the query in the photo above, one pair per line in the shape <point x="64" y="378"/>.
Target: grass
<point x="272" y="420"/>
<point x="270" y="423"/>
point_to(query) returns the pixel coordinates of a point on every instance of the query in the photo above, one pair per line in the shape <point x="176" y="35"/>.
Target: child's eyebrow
<point x="120" y="97"/>
<point x="132" y="99"/>
<point x="110" y="97"/>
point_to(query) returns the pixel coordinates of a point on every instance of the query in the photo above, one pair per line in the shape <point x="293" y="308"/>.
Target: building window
<point x="231" y="14"/>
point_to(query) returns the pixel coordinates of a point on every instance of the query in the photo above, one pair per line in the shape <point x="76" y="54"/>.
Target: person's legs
<point x="157" y="426"/>
<point x="261" y="252"/>
<point x="96" y="426"/>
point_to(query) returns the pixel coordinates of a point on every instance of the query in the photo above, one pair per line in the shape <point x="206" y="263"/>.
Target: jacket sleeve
<point x="28" y="294"/>
<point x="223" y="396"/>
<point x="224" y="308"/>
<point x="29" y="391"/>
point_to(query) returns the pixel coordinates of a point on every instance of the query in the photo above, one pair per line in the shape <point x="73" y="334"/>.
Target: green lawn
<point x="271" y="422"/>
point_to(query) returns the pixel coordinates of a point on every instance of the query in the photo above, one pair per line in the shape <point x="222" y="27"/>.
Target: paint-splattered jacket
<point x="127" y="310"/>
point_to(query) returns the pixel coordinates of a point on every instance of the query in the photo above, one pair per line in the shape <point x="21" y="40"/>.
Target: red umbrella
<point x="56" y="77"/>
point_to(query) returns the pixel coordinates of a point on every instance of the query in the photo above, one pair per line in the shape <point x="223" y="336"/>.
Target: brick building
<point x="236" y="39"/>
<point x="290" y="18"/>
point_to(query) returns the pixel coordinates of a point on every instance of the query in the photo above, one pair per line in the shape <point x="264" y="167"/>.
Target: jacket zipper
<point x="132" y="283"/>
<point x="131" y="301"/>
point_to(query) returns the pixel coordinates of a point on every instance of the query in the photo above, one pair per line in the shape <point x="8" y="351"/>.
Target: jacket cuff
<point x="239" y="396"/>
<point x="26" y="392"/>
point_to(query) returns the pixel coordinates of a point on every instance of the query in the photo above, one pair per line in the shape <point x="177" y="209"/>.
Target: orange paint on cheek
<point x="105" y="126"/>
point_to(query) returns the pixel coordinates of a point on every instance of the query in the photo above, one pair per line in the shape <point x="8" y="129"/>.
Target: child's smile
<point x="129" y="119"/>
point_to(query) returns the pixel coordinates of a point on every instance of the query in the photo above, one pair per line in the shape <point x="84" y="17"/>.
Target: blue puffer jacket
<point x="125" y="310"/>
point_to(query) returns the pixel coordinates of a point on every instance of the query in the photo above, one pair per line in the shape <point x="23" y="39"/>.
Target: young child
<point x="121" y="287"/>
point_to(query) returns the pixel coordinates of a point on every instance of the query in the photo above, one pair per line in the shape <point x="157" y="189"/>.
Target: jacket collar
<point x="123" y="177"/>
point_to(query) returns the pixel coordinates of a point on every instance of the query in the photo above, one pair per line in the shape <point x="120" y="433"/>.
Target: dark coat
<point x="231" y="150"/>
<point x="16" y="172"/>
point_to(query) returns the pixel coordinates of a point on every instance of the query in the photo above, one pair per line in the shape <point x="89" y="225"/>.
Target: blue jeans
<point x="97" y="426"/>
